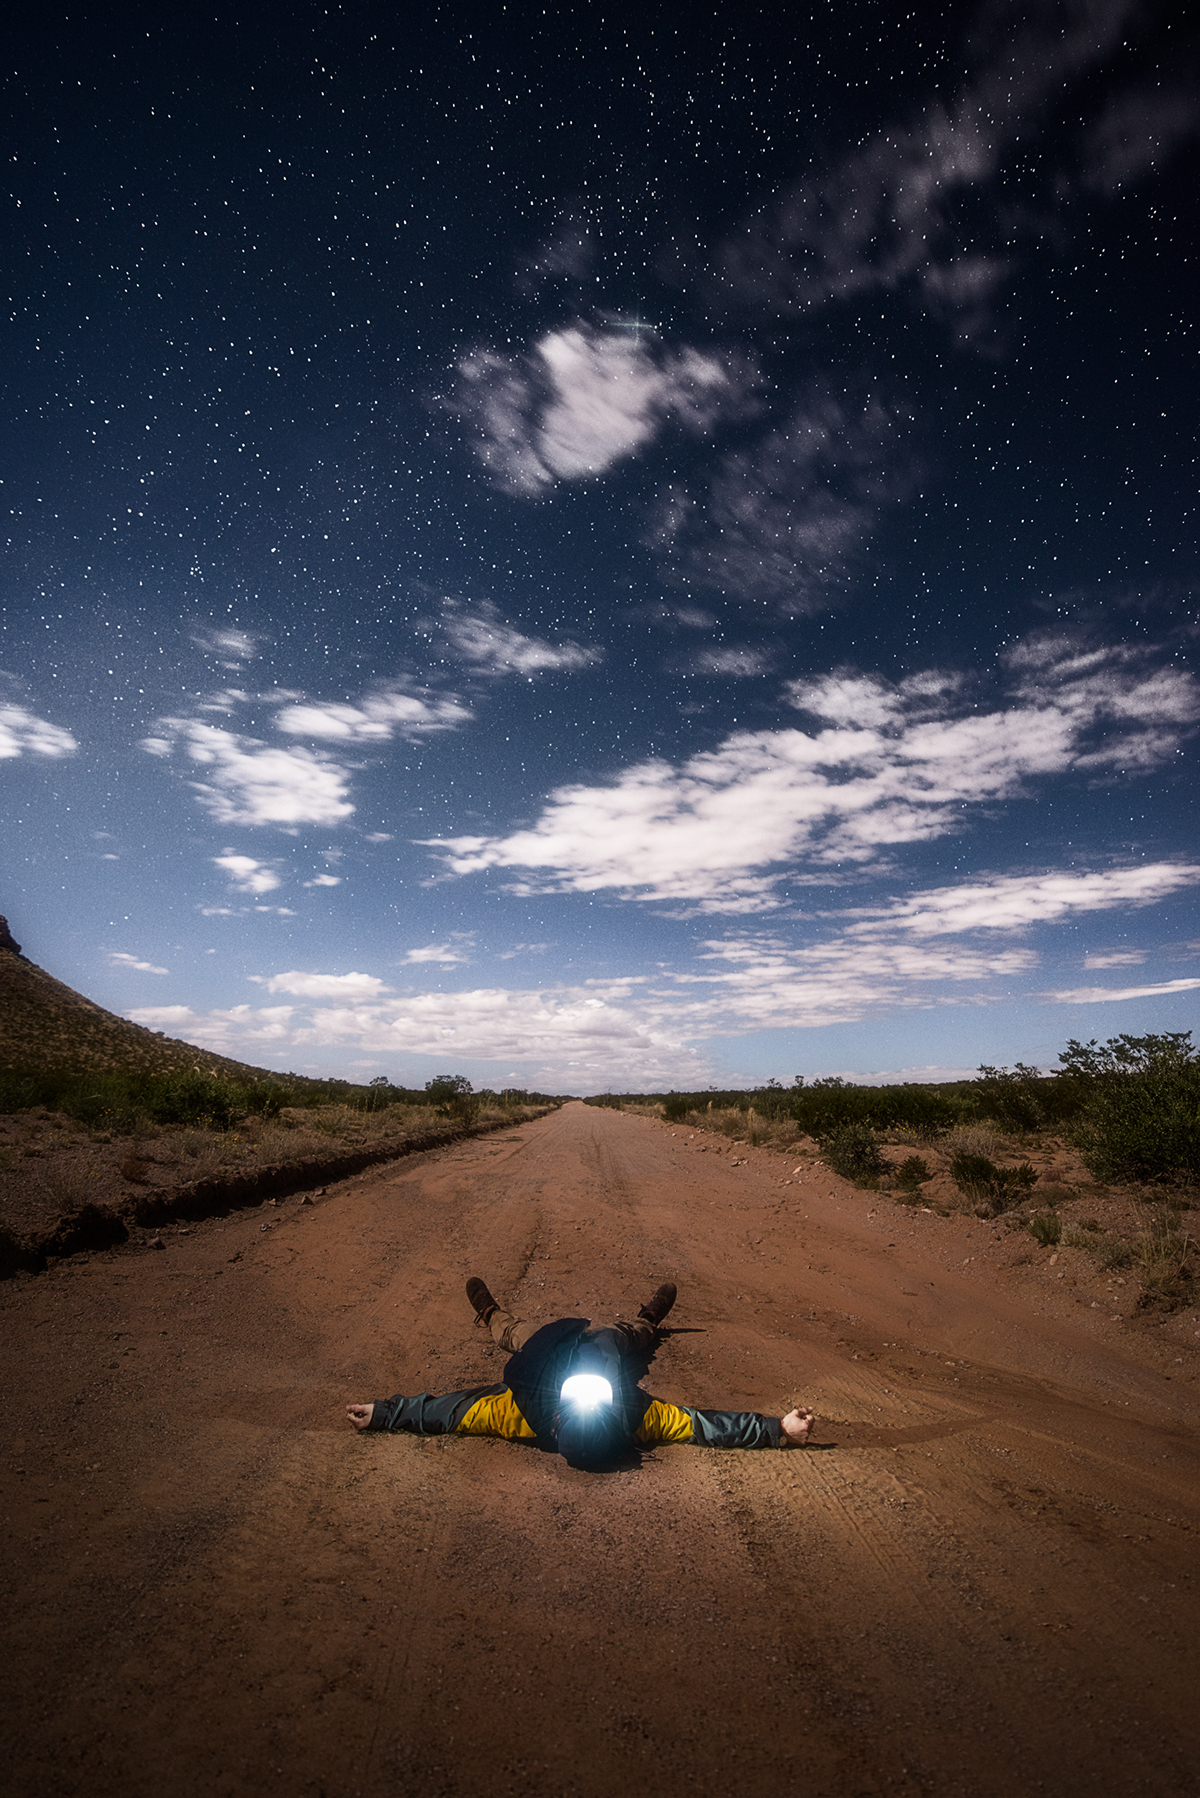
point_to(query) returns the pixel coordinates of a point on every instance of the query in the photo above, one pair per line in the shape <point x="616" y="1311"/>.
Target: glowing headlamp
<point x="587" y="1390"/>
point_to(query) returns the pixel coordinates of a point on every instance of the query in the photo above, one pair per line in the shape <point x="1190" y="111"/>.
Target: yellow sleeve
<point x="495" y="1414"/>
<point x="664" y="1423"/>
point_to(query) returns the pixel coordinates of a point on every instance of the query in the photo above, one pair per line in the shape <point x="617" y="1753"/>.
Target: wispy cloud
<point x="392" y="712"/>
<point x="444" y="954"/>
<point x="22" y="733"/>
<point x="584" y="398"/>
<point x="1017" y="901"/>
<point x="248" y="782"/>
<point x="788" y="519"/>
<point x="324" y="880"/>
<point x="118" y="959"/>
<point x="482" y="638"/>
<point x="246" y="874"/>
<point x="742" y="663"/>
<point x="229" y="645"/>
<point x="939" y="948"/>
<point x="1137" y="131"/>
<point x="1115" y="958"/>
<point x="942" y="203"/>
<point x="896" y="764"/>
<point x="1099" y="995"/>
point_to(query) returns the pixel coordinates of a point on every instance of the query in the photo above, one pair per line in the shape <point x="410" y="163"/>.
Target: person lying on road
<point x="568" y="1388"/>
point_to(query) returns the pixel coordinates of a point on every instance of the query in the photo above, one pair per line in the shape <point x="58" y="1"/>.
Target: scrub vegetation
<point x="86" y="1158"/>
<point x="1125" y="1114"/>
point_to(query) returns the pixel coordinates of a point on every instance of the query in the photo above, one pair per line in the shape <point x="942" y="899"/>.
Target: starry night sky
<point x="605" y="546"/>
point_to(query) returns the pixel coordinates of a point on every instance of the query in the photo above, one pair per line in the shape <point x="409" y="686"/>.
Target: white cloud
<point x="1115" y="958"/>
<point x="322" y="986"/>
<point x="1097" y="995"/>
<point x="446" y="954"/>
<point x="248" y="782"/>
<point x="247" y="875"/>
<point x="480" y="635"/>
<point x="642" y="1031"/>
<point x="583" y="399"/>
<point x="393" y="712"/>
<point x="897" y="765"/>
<point x="21" y="733"/>
<point x="566" y="1038"/>
<point x="324" y="880"/>
<point x="118" y="959"/>
<point x="1017" y="901"/>
<point x="234" y="1031"/>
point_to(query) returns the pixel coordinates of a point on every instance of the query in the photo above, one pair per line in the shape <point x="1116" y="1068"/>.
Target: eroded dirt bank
<point x="982" y="1582"/>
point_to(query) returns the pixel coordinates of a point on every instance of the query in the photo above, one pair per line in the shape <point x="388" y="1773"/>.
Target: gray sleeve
<point x="735" y="1429"/>
<point x="426" y="1414"/>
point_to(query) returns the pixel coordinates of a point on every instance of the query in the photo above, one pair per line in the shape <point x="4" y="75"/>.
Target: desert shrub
<point x="986" y="1185"/>
<point x="1021" y="1098"/>
<point x="829" y="1105"/>
<point x="852" y="1151"/>
<point x="1160" y="1253"/>
<point x="911" y="1172"/>
<point x="454" y="1097"/>
<point x="1012" y="1096"/>
<point x="1141" y="1115"/>
<point x="1046" y="1226"/>
<point x="675" y="1107"/>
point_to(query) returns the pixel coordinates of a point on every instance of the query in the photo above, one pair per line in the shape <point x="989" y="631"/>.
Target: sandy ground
<point x="982" y="1580"/>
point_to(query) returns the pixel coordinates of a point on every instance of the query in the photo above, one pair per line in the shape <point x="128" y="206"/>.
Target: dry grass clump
<point x="1160" y="1252"/>
<point x="975" y="1139"/>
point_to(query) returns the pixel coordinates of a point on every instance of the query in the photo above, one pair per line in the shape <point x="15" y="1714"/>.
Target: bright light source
<point x="586" y="1390"/>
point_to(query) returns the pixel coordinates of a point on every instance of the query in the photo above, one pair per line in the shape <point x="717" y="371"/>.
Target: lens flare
<point x="586" y="1390"/>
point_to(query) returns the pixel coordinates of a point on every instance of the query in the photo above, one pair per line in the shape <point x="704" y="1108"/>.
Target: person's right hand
<point x="796" y="1427"/>
<point x="360" y="1415"/>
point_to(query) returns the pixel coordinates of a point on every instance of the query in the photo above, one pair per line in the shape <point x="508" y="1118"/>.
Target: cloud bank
<point x="894" y="764"/>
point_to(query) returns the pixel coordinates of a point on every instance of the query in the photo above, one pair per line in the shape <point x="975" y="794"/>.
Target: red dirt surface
<point x="980" y="1582"/>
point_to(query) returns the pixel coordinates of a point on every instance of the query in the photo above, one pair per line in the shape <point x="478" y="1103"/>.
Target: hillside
<point x="46" y="1025"/>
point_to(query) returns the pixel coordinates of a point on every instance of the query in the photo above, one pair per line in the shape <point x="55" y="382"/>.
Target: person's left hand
<point x="797" y="1426"/>
<point x="360" y="1415"/>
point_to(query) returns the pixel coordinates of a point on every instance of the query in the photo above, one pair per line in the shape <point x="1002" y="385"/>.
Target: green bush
<point x="1141" y="1114"/>
<point x="675" y="1107"/>
<point x="912" y="1172"/>
<point x="828" y="1105"/>
<point x="1047" y="1227"/>
<point x="853" y="1152"/>
<point x="985" y="1184"/>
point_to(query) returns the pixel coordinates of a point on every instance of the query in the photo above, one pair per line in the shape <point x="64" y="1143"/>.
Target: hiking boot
<point x="481" y="1299"/>
<point x="659" y="1305"/>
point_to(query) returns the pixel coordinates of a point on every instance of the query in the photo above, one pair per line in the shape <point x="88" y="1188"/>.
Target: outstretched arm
<point x="663" y="1422"/>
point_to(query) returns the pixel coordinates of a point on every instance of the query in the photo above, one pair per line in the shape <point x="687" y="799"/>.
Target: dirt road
<point x="982" y="1581"/>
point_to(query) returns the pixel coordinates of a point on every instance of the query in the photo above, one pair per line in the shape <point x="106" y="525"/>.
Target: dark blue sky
<point x="605" y="548"/>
